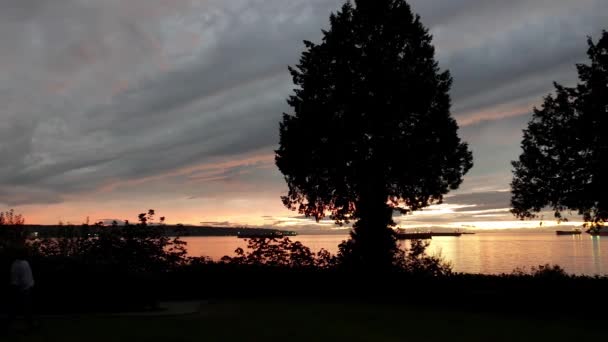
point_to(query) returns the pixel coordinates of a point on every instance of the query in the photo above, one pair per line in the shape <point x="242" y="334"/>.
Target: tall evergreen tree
<point x="371" y="131"/>
<point x="564" y="163"/>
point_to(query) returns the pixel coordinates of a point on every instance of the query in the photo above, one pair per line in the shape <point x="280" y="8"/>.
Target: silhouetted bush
<point x="12" y="236"/>
<point x="413" y="260"/>
<point x="543" y="272"/>
<point x="417" y="262"/>
<point x="101" y="267"/>
<point x="280" y="252"/>
<point x="11" y="232"/>
<point x="274" y="252"/>
<point x="132" y="248"/>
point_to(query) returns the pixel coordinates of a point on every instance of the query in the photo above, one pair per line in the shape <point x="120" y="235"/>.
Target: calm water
<point x="480" y="253"/>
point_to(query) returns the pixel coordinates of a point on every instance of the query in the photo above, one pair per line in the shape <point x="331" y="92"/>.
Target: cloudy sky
<point x="109" y="108"/>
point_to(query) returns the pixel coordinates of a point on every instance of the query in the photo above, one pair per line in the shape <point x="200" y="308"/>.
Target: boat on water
<point x="271" y="234"/>
<point x="405" y="235"/>
<point x="413" y="236"/>
<point x="569" y="232"/>
<point x="603" y="231"/>
<point x="446" y="233"/>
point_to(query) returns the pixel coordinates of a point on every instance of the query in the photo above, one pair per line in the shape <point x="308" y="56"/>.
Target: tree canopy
<point x="371" y="130"/>
<point x="564" y="163"/>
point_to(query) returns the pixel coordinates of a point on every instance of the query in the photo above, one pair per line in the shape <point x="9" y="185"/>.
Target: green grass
<point x="299" y="320"/>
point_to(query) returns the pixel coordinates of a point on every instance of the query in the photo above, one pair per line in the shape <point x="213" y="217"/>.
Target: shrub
<point x="279" y="252"/>
<point x="132" y="248"/>
<point x="546" y="271"/>
<point x="416" y="261"/>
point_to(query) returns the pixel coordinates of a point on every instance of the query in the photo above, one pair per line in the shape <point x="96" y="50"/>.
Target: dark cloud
<point x="495" y="143"/>
<point x="19" y="195"/>
<point x="503" y="52"/>
<point x="226" y="99"/>
<point x="436" y="12"/>
<point x="529" y="52"/>
<point x="480" y="200"/>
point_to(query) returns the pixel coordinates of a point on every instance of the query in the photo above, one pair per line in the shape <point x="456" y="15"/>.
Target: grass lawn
<point x="300" y="320"/>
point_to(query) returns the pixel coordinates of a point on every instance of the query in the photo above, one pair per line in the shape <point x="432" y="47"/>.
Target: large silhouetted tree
<point x="564" y="164"/>
<point x="371" y="131"/>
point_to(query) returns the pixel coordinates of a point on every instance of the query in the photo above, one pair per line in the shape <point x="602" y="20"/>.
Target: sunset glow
<point x="113" y="108"/>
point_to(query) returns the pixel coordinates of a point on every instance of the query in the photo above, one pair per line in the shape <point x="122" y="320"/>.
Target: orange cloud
<point x="58" y="87"/>
<point x="496" y="113"/>
<point x="119" y="87"/>
<point x="206" y="168"/>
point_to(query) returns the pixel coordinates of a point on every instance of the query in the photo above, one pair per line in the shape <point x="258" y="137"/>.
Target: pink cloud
<point x="205" y="171"/>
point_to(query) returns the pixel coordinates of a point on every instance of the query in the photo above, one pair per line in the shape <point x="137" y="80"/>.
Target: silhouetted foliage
<point x="286" y="253"/>
<point x="74" y="277"/>
<point x="113" y="267"/>
<point x="142" y="247"/>
<point x="71" y="277"/>
<point x="11" y="231"/>
<point x="413" y="260"/>
<point x="418" y="263"/>
<point x="9" y="218"/>
<point x="12" y="236"/>
<point x="371" y="130"/>
<point x="564" y="163"/>
<point x="547" y="272"/>
<point x="280" y="252"/>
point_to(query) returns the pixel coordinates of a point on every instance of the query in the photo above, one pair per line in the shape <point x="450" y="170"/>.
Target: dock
<point x="568" y="232"/>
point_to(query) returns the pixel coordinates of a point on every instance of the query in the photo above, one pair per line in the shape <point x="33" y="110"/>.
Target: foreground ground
<point x="301" y="320"/>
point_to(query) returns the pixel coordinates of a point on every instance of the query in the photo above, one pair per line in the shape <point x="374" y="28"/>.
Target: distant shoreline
<point x="50" y="231"/>
<point x="210" y="231"/>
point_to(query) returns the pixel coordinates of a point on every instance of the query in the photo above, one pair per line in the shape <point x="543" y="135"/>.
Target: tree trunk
<point x="373" y="246"/>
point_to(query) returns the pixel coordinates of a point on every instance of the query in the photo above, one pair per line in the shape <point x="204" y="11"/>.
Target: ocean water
<point x="487" y="253"/>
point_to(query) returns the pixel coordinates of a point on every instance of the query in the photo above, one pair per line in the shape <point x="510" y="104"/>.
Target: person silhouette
<point x="22" y="285"/>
